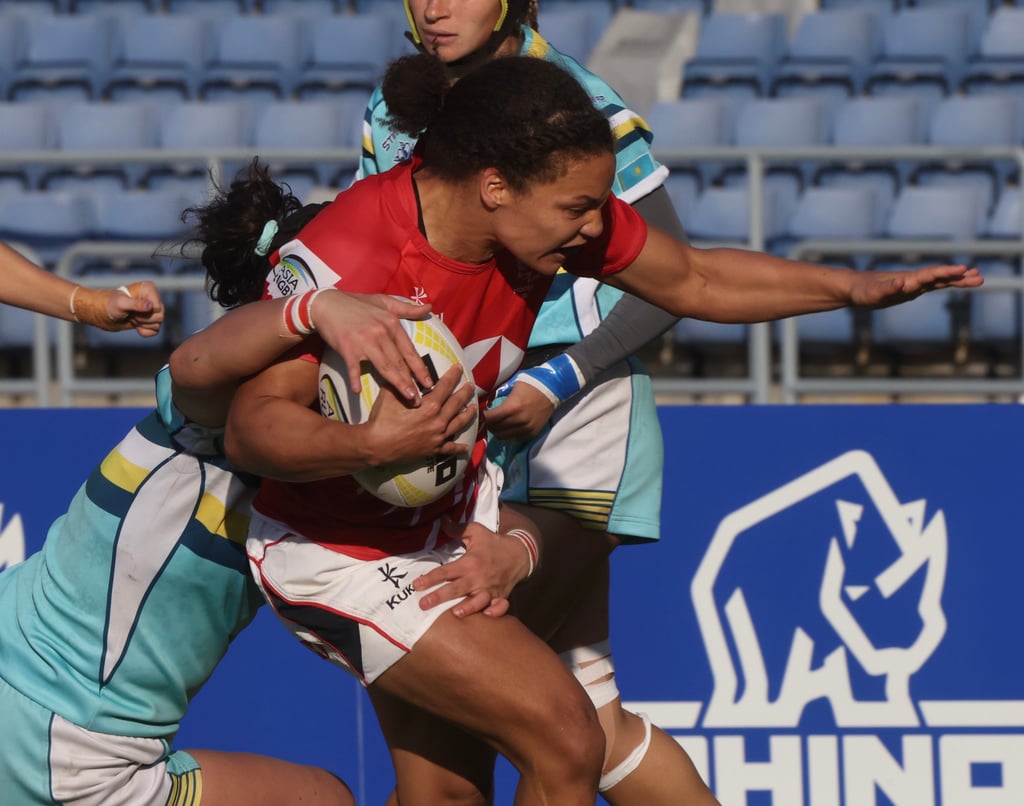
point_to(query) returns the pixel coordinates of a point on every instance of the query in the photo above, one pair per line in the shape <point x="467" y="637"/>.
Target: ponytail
<point x="239" y="227"/>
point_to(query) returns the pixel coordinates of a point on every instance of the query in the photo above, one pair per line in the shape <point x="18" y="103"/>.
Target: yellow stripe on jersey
<point x="538" y="47"/>
<point x="120" y="472"/>
<point x="186" y="789"/>
<point x="229" y="524"/>
<point x="591" y="508"/>
<point x="626" y="122"/>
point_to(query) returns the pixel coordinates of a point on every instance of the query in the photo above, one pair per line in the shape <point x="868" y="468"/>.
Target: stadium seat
<point x="999" y="65"/>
<point x="60" y="57"/>
<point x="973" y="122"/>
<point x="871" y="122"/>
<point x="937" y="213"/>
<point x="99" y="126"/>
<point x="684" y="190"/>
<point x="318" y="8"/>
<point x="197" y="127"/>
<point x="320" y="125"/>
<point x="115" y="6"/>
<point x="691" y="123"/>
<point x="24" y="126"/>
<point x="925" y="52"/>
<point x="221" y="8"/>
<point x="834" y="213"/>
<point x="780" y="123"/>
<point x="736" y="54"/>
<point x="1006" y="220"/>
<point x="995" y="316"/>
<point x="673" y="6"/>
<point x="574" y="29"/>
<point x="722" y="215"/>
<point x="47" y="221"/>
<point x="252" y="58"/>
<point x="158" y="57"/>
<point x="140" y="215"/>
<point x="830" y="55"/>
<point x="346" y="52"/>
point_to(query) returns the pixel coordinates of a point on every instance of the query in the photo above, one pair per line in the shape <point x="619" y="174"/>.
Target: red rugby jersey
<point x="368" y="240"/>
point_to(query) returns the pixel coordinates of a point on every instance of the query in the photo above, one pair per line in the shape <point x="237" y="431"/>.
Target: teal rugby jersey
<point x="139" y="588"/>
<point x="574" y="306"/>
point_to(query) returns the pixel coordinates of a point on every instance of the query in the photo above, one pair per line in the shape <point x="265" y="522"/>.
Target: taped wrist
<point x="557" y="379"/>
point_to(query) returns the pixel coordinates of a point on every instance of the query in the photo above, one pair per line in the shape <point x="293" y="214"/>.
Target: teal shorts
<point x="45" y="759"/>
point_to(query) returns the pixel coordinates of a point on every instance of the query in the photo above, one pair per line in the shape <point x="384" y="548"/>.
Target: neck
<point x="510" y="46"/>
<point x="452" y="219"/>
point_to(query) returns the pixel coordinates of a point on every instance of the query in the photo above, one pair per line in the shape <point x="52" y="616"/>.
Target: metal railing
<point x="756" y="386"/>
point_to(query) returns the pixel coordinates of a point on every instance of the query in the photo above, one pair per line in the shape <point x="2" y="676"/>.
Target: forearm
<point x="280" y="439"/>
<point x="25" y="285"/>
<point x="211" y="357"/>
<point x="737" y="285"/>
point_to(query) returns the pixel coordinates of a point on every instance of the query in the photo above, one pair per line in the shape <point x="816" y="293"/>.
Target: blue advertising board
<point x="830" y="618"/>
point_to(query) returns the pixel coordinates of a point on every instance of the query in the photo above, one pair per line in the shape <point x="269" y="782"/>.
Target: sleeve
<point x="624" y="235"/>
<point x="375" y="107"/>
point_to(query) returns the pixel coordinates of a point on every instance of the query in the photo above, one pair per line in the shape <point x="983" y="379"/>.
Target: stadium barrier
<point x="755" y="386"/>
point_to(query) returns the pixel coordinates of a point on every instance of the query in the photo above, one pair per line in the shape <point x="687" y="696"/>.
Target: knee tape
<point x="614" y="776"/>
<point x="598" y="663"/>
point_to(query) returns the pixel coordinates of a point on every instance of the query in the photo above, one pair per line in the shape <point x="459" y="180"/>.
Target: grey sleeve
<point x="632" y="323"/>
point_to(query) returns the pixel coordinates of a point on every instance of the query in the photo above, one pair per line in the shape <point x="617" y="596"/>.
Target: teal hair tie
<point x="263" y="244"/>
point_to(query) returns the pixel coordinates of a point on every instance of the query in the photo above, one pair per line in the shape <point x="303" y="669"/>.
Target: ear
<point x="494" y="190"/>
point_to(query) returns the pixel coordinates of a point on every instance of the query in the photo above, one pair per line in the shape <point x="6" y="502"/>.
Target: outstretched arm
<point x="736" y="285"/>
<point x="25" y="285"/>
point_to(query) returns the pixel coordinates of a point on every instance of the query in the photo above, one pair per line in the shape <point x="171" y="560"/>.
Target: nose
<point x="593" y="226"/>
<point x="435" y="10"/>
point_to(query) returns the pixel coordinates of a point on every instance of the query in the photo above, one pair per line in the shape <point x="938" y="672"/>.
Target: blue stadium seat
<point x="320" y="125"/>
<point x="25" y="126"/>
<point x="158" y="57"/>
<point x="319" y="8"/>
<point x="60" y="57"/>
<point x="115" y="6"/>
<point x="47" y="221"/>
<point x="684" y="190"/>
<point x="995" y="316"/>
<point x="346" y="52"/>
<point x="99" y="126"/>
<point x="999" y="65"/>
<point x="973" y="121"/>
<point x="722" y="215"/>
<point x="834" y="213"/>
<point x="736" y="53"/>
<point x="780" y="123"/>
<point x="574" y="29"/>
<point x="1006" y="220"/>
<point x="830" y="54"/>
<point x="252" y="58"/>
<point x="925" y="52"/>
<point x="196" y="126"/>
<point x="221" y="8"/>
<point x="691" y="123"/>
<point x="140" y="215"/>
<point x="937" y="212"/>
<point x="870" y="122"/>
<point x="672" y="6"/>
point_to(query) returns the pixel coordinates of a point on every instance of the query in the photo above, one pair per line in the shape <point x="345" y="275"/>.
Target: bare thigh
<point x="233" y="778"/>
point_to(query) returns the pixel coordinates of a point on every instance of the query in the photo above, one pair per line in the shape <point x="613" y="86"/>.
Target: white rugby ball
<point x="410" y="484"/>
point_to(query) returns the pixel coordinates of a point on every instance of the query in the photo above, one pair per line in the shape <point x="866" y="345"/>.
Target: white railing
<point x="756" y="386"/>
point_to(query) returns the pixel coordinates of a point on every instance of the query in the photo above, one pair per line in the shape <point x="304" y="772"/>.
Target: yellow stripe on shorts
<point x="591" y="508"/>
<point x="186" y="789"/>
<point x="212" y="513"/>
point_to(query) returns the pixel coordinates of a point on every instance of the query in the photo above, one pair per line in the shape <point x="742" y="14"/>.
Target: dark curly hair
<point x="229" y="226"/>
<point x="521" y="115"/>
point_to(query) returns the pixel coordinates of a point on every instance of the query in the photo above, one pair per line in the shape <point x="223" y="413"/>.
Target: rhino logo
<point x="857" y="613"/>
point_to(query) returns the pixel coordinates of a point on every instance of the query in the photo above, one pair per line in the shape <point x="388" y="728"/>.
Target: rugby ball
<point x="411" y="484"/>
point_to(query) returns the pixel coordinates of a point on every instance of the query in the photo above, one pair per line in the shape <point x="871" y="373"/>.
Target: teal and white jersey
<point x="574" y="306"/>
<point x="139" y="588"/>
